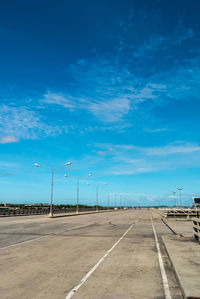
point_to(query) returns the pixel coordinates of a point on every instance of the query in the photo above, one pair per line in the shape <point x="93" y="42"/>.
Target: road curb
<point x="77" y="214"/>
<point x="175" y="271"/>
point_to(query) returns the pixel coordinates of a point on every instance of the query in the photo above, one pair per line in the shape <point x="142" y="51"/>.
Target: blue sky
<point x="112" y="87"/>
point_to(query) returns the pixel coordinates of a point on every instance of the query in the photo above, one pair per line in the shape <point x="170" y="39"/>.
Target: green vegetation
<point x="60" y="206"/>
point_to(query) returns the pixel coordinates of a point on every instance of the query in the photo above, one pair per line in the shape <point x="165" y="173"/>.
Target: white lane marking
<point x="83" y="280"/>
<point x="162" y="268"/>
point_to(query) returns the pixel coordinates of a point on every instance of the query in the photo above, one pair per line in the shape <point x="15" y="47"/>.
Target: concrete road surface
<point x="106" y="255"/>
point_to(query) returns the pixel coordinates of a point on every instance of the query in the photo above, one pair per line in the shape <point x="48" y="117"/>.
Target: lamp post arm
<point x="46" y="167"/>
<point x="60" y="166"/>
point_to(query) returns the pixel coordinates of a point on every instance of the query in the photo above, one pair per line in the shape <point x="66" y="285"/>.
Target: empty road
<point x="106" y="255"/>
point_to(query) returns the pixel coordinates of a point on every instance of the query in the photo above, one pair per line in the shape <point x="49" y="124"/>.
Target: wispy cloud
<point x="106" y="102"/>
<point x="58" y="99"/>
<point x="75" y="128"/>
<point x="8" y="139"/>
<point x="157" y="130"/>
<point x="128" y="159"/>
<point x="20" y="122"/>
<point x="182" y="148"/>
<point x="111" y="111"/>
<point x="115" y="87"/>
<point x="8" y="164"/>
<point x="115" y="91"/>
<point x="163" y="43"/>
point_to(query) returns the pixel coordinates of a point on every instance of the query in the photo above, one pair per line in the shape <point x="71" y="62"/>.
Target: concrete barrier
<point x="180" y="212"/>
<point x="196" y="228"/>
<point x="78" y="214"/>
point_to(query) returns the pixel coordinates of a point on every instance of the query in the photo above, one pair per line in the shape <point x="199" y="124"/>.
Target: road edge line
<point x="161" y="264"/>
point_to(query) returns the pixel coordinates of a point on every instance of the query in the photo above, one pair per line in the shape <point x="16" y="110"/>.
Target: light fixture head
<point x="68" y="163"/>
<point x="37" y="165"/>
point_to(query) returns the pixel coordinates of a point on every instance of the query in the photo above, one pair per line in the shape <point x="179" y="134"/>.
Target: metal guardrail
<point x="38" y="211"/>
<point x="196" y="228"/>
<point x="20" y="212"/>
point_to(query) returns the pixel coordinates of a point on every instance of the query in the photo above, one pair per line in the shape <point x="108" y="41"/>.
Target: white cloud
<point x="110" y="111"/>
<point x="58" y="99"/>
<point x="8" y="139"/>
<point x="115" y="88"/>
<point x="23" y="123"/>
<point x="113" y="91"/>
<point x="129" y="159"/>
<point x="182" y="148"/>
<point x="106" y="109"/>
<point x="8" y="164"/>
<point x="119" y="88"/>
<point x="170" y="149"/>
<point x="157" y="130"/>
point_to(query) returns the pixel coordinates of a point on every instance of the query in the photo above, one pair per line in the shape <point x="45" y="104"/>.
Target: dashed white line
<point x="83" y="280"/>
<point x="162" y="268"/>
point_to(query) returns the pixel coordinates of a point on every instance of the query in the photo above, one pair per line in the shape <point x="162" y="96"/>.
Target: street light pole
<point x="77" y="188"/>
<point x="120" y="201"/>
<point x="97" y="194"/>
<point x="104" y="184"/>
<point x="108" y="201"/>
<point x="51" y="204"/>
<point x="97" y="199"/>
<point x="77" y="203"/>
<point x="180" y="189"/>
<point x="174" y="192"/>
<point x="52" y="182"/>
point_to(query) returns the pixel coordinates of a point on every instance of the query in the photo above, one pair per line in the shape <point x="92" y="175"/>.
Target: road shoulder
<point x="184" y="254"/>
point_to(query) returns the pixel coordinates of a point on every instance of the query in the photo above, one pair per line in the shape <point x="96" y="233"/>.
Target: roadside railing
<point x="40" y="211"/>
<point x="180" y="212"/>
<point x="21" y="212"/>
<point x="196" y="228"/>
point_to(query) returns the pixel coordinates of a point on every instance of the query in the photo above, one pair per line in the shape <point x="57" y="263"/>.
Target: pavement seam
<point x="49" y="235"/>
<point x="23" y="242"/>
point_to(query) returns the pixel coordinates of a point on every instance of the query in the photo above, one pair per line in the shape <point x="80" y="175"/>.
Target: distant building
<point x="196" y="202"/>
